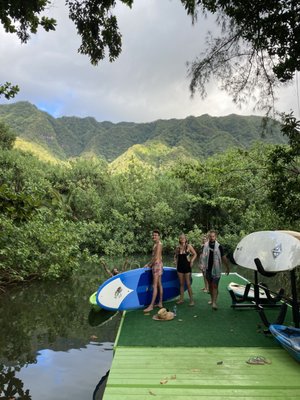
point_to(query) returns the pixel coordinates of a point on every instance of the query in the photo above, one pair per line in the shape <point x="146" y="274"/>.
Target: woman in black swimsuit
<point x="184" y="258"/>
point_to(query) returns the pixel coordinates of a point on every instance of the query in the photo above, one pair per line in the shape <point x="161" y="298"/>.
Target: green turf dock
<point x="201" y="354"/>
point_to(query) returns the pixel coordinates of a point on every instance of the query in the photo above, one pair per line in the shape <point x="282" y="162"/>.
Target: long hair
<point x="177" y="250"/>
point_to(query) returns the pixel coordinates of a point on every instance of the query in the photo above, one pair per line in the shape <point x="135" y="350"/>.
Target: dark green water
<point x="52" y="346"/>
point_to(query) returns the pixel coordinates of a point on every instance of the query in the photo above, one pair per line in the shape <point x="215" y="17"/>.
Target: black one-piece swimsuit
<point x="183" y="264"/>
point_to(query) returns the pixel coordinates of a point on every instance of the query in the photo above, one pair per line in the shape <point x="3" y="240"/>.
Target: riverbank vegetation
<point x="54" y="217"/>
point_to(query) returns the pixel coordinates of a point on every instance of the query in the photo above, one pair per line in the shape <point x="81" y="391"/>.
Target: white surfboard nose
<point x="276" y="250"/>
<point x="113" y="294"/>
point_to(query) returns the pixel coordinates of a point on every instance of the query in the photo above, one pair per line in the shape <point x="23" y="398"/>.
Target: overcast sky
<point x="148" y="81"/>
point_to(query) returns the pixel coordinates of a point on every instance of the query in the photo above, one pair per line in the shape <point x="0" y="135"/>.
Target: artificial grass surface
<point x="200" y="325"/>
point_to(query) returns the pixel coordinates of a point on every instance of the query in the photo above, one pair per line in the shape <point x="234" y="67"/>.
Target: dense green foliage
<point x="55" y="216"/>
<point x="284" y="172"/>
<point x="7" y="137"/>
<point x="196" y="136"/>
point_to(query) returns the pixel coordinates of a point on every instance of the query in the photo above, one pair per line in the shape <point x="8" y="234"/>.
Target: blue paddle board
<point x="133" y="289"/>
<point x="288" y="337"/>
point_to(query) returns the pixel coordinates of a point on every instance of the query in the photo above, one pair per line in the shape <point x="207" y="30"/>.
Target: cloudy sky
<point x="148" y="81"/>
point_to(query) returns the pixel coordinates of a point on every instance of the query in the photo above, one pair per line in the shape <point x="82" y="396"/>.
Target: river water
<point x="52" y="346"/>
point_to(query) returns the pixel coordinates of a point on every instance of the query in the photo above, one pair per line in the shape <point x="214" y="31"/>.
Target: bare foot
<point x="180" y="302"/>
<point x="159" y="305"/>
<point x="214" y="306"/>
<point x="148" y="309"/>
<point x="192" y="303"/>
<point x="210" y="302"/>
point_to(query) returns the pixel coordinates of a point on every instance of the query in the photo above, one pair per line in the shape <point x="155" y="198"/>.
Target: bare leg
<point x="213" y="289"/>
<point x="206" y="285"/>
<point x="181" y="282"/>
<point x="155" y="291"/>
<point x="210" y="285"/>
<point x="189" y="288"/>
<point x="160" y="288"/>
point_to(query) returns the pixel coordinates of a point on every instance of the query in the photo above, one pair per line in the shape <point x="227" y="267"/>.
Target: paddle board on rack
<point x="239" y="291"/>
<point x="276" y="250"/>
<point x="133" y="289"/>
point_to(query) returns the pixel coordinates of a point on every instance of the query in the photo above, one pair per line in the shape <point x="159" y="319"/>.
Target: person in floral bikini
<point x="156" y="265"/>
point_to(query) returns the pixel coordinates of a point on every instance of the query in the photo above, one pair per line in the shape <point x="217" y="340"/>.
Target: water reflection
<point x="12" y="387"/>
<point x="99" y="318"/>
<point x="65" y="377"/>
<point x="51" y="345"/>
<point x="99" y="390"/>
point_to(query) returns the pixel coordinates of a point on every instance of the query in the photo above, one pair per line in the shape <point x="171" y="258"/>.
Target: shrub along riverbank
<point x="54" y="217"/>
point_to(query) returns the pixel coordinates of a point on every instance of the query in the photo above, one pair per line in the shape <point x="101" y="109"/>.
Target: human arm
<point x="193" y="253"/>
<point x="176" y="256"/>
<point x="226" y="263"/>
<point x="102" y="262"/>
<point x="125" y="265"/>
<point x="224" y="260"/>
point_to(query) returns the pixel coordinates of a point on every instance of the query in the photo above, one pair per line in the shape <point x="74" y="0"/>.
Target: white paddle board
<point x="293" y="233"/>
<point x="276" y="250"/>
<point x="239" y="291"/>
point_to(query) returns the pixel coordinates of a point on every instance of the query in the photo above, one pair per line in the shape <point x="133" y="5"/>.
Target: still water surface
<point x="52" y="346"/>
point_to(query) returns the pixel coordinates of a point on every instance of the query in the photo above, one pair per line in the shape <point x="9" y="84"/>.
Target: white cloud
<point x="148" y="81"/>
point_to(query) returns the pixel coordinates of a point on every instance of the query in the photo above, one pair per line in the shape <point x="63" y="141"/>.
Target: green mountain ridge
<point x="153" y="154"/>
<point x="198" y="137"/>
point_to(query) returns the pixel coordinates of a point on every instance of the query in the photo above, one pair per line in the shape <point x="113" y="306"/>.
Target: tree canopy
<point x="258" y="49"/>
<point x="93" y="19"/>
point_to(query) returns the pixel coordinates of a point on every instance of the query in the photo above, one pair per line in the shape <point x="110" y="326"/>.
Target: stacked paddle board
<point x="239" y="291"/>
<point x="276" y="250"/>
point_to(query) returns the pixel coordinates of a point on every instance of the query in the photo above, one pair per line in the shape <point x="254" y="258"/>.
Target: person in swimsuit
<point x="184" y="258"/>
<point x="115" y="270"/>
<point x="156" y="265"/>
